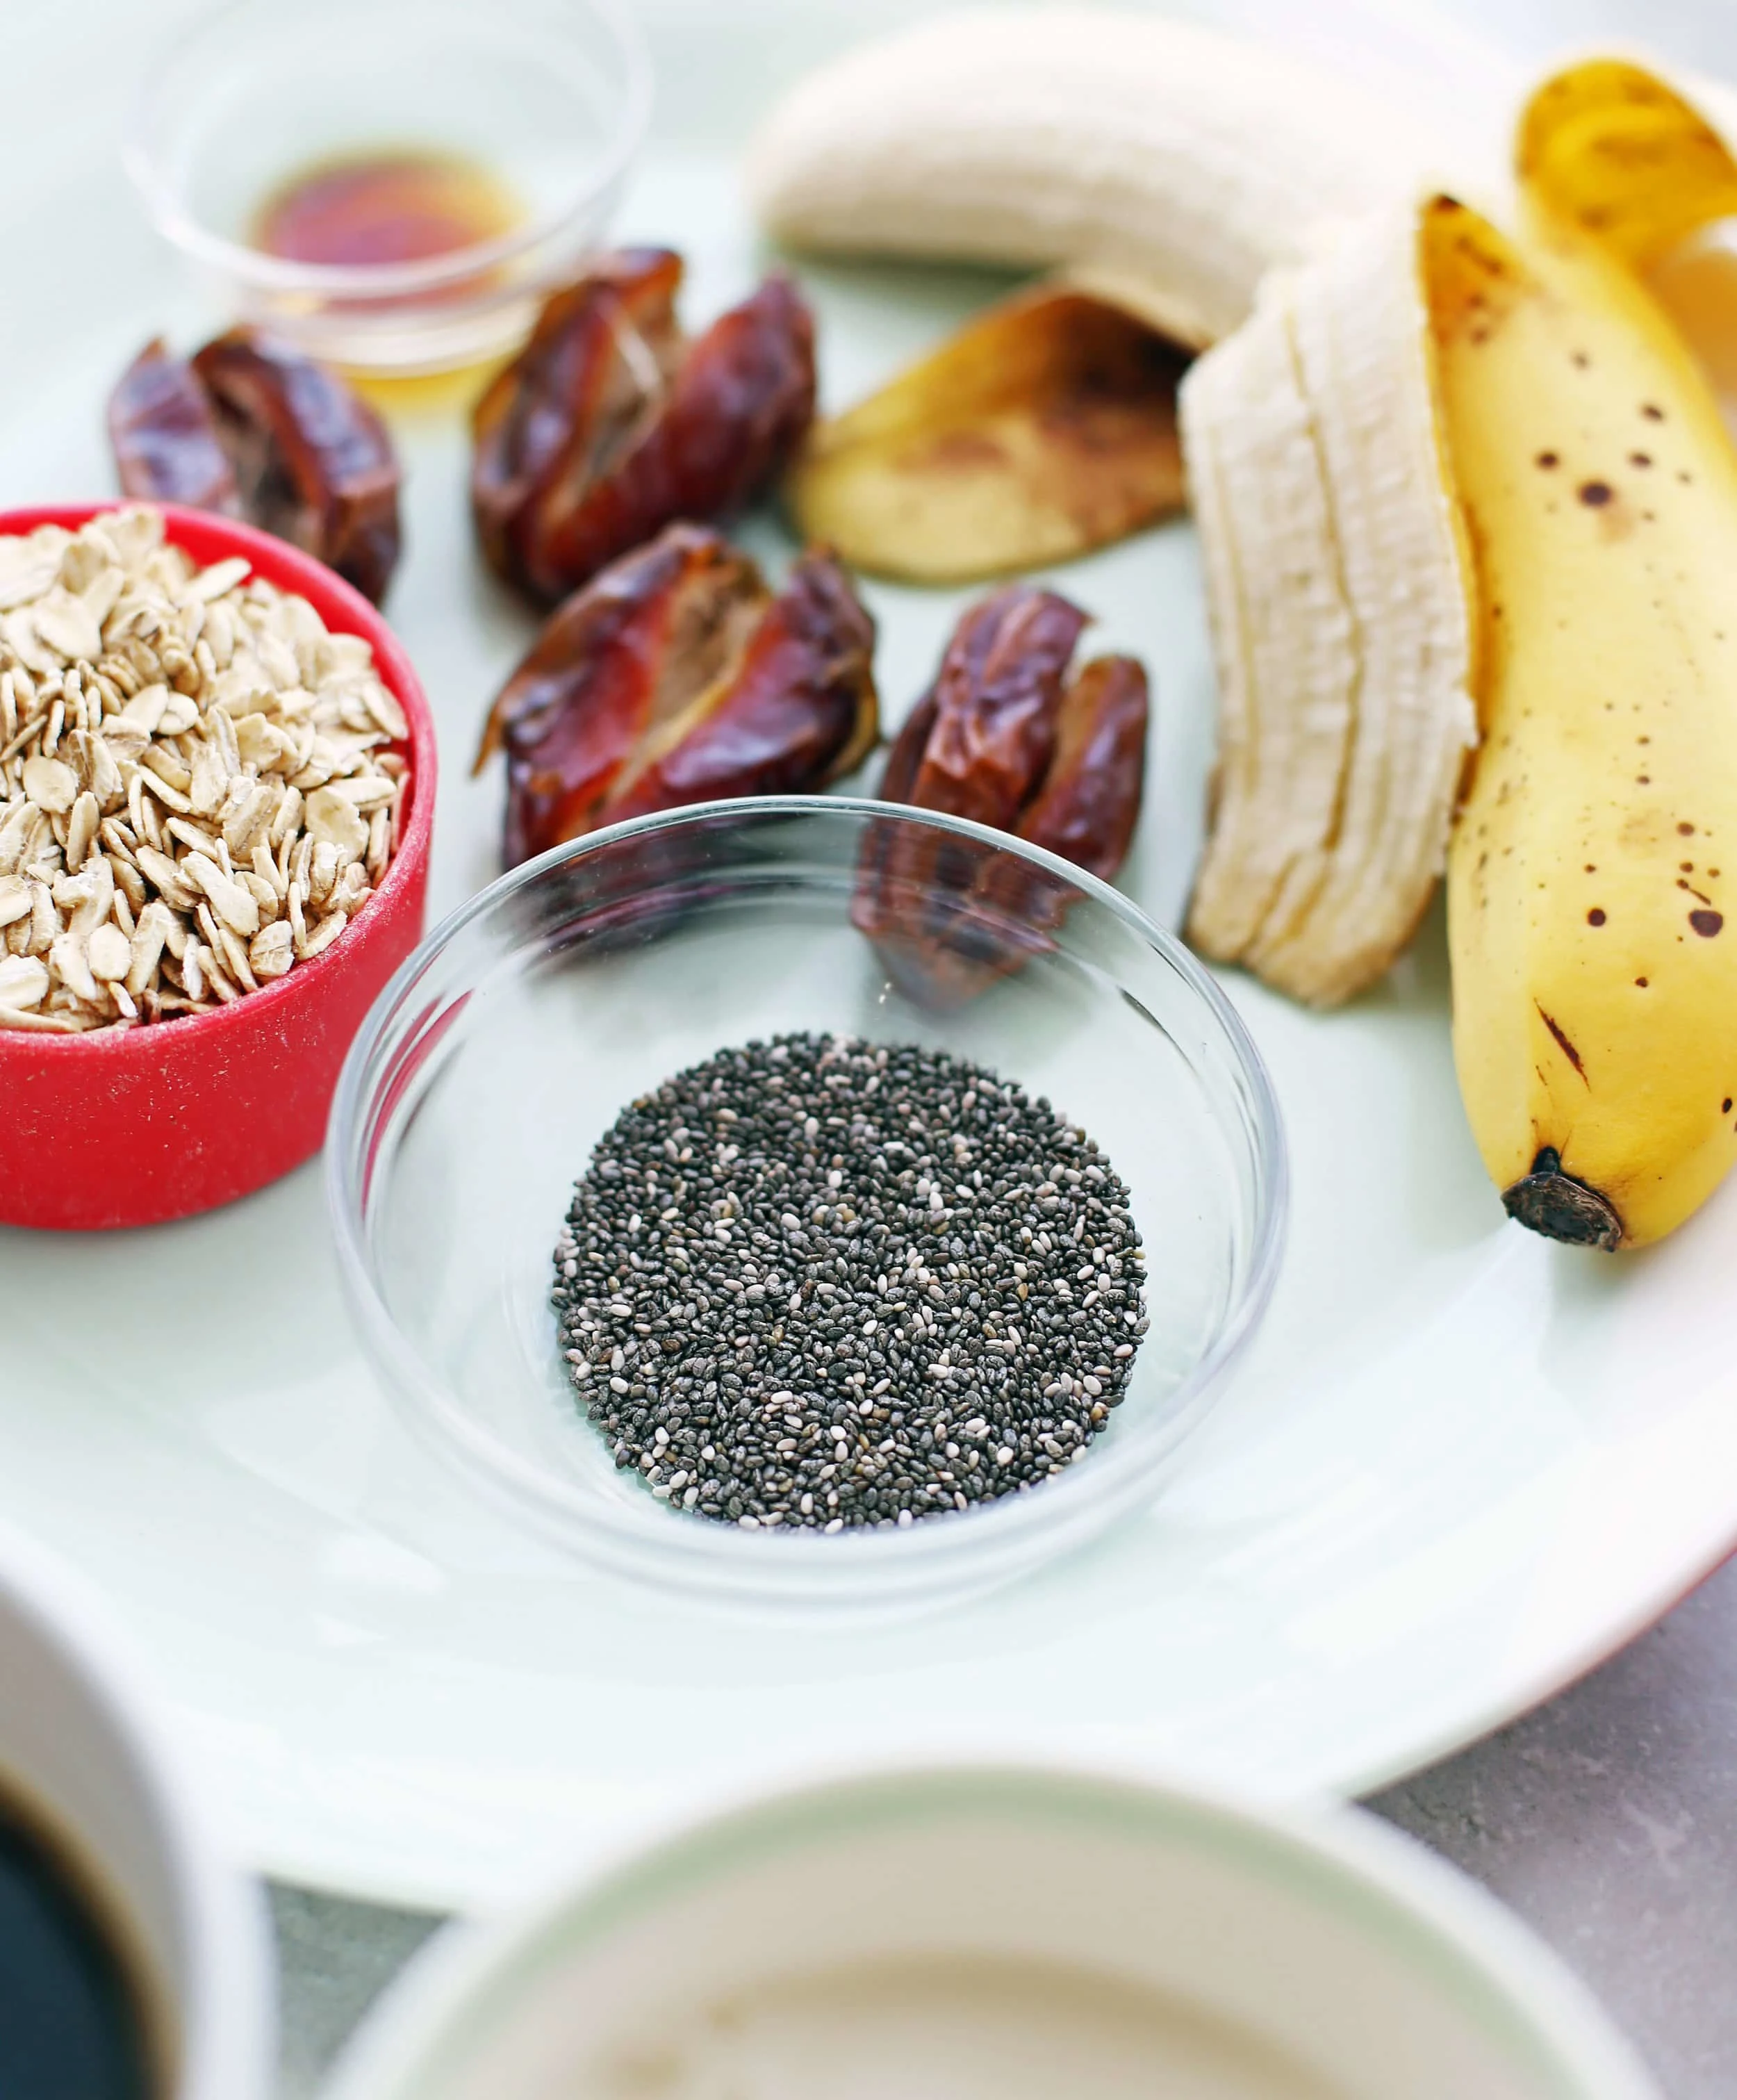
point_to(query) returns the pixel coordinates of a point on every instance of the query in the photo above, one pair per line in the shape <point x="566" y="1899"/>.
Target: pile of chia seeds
<point x="826" y="1283"/>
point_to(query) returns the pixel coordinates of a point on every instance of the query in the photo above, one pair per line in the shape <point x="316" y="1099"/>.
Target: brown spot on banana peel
<point x="1563" y="1044"/>
<point x="1549" y="1201"/>
<point x="960" y="452"/>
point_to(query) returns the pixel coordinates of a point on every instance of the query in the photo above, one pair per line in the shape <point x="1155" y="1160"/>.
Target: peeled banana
<point x="1062" y="135"/>
<point x="1339" y="582"/>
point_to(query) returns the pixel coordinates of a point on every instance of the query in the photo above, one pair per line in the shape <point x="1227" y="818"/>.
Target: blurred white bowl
<point x="85" y="1758"/>
<point x="958" y="1931"/>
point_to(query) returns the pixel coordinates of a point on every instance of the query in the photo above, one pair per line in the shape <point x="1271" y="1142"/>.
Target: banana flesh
<point x="1338" y="585"/>
<point x="1063" y="135"/>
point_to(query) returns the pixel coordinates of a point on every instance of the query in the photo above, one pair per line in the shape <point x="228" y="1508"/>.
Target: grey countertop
<point x="1607" y="1819"/>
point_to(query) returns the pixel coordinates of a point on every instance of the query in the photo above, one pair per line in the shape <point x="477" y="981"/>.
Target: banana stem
<point x="1555" y="1204"/>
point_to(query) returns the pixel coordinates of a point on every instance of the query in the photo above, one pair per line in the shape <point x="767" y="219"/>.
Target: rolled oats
<point x="51" y="785"/>
<point x="24" y="981"/>
<point x="109" y="953"/>
<point x="272" y="950"/>
<point x="197" y="793"/>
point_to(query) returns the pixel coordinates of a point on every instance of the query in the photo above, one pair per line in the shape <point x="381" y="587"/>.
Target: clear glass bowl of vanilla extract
<point x="391" y="185"/>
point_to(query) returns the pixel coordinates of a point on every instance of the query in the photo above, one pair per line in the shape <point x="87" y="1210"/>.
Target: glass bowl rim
<point x="1006" y="1518"/>
<point x="361" y="280"/>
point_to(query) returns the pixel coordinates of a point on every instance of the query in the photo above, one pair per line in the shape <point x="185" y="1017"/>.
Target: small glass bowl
<point x="509" y="1042"/>
<point x="549" y="97"/>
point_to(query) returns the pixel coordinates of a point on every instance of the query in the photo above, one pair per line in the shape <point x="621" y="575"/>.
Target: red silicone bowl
<point x="133" y="1126"/>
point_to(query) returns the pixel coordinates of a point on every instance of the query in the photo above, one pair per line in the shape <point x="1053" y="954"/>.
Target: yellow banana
<point x="1535" y="391"/>
<point x="1592" y="919"/>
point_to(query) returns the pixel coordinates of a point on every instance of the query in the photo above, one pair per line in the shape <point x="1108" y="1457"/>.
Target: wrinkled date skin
<point x="254" y="430"/>
<point x="599" y="351"/>
<point x="611" y="423"/>
<point x="1004" y="737"/>
<point x="164" y="438"/>
<point x="313" y="460"/>
<point x="677" y="676"/>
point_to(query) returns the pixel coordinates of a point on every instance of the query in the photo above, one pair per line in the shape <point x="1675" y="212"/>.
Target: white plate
<point x="1461" y="1465"/>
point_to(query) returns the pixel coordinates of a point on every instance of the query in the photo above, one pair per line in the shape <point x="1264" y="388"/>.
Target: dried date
<point x="253" y="430"/>
<point x="1006" y="737"/>
<point x="570" y="400"/>
<point x="164" y="437"/>
<point x="611" y="423"/>
<point x="313" y="460"/>
<point x="678" y="676"/>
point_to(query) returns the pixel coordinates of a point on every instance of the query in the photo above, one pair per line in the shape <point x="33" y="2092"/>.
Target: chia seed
<point x="823" y="1284"/>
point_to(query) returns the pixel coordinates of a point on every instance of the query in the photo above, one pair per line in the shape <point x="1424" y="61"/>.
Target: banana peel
<point x="1614" y="149"/>
<point x="1044" y="429"/>
<point x="1590" y="918"/>
<point x="1643" y="167"/>
<point x="1549" y="539"/>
